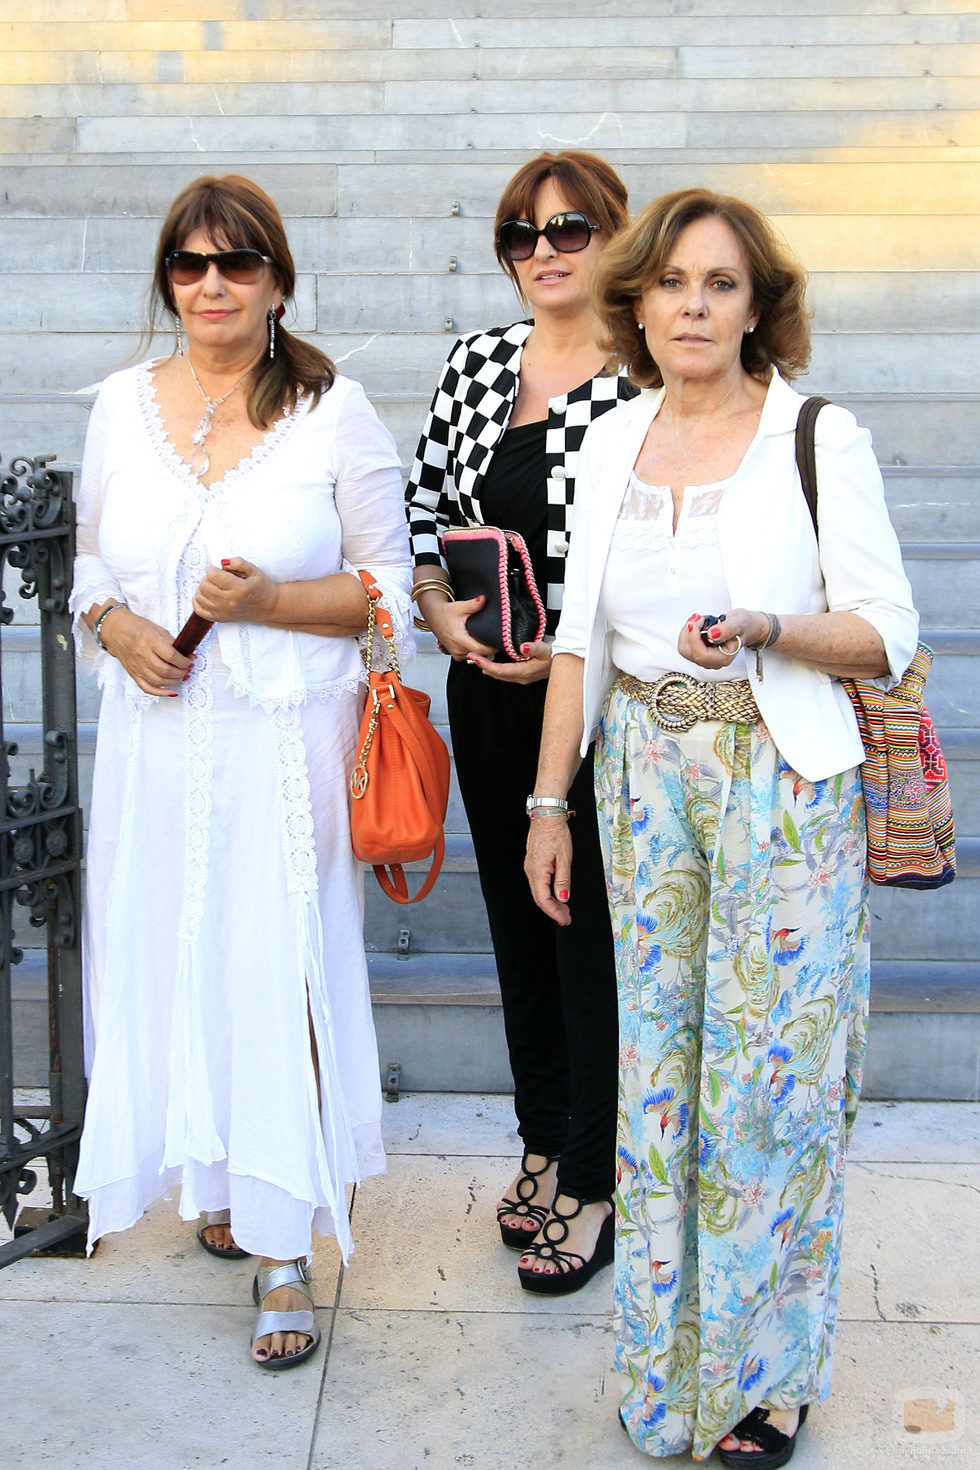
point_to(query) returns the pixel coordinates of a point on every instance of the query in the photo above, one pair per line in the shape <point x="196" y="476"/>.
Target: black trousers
<point x="557" y="986"/>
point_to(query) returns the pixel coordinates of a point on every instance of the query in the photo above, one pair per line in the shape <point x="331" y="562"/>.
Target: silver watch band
<point x="557" y="802"/>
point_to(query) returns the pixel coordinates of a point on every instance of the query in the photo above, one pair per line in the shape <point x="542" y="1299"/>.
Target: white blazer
<point x="770" y="560"/>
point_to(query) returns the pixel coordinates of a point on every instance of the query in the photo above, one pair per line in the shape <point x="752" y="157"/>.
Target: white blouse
<point x="321" y="493"/>
<point x="682" y="567"/>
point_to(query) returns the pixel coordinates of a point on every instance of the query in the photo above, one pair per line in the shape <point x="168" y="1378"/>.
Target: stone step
<point x="360" y="78"/>
<point x="932" y="505"/>
<point x="438" y="1018"/>
<point x="109" y="298"/>
<point x="485" y="32"/>
<point x="870" y="188"/>
<point x="199" y="65"/>
<point x="452" y="920"/>
<point x="945" y="582"/>
<point x="291" y="13"/>
<point x="424" y="117"/>
<point x="929" y="448"/>
<point x="883" y="284"/>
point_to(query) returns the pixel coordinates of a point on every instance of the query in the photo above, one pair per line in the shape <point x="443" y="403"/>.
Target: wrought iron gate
<point x="40" y="855"/>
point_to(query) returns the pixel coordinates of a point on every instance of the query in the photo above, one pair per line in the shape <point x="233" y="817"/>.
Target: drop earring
<point x="272" y="332"/>
<point x="178" y="334"/>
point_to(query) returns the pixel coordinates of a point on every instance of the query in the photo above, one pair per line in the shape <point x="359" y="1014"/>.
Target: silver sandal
<point x="219" y="1217"/>
<point x="295" y="1274"/>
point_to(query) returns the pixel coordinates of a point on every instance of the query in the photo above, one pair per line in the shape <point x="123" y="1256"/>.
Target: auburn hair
<point x="624" y="270"/>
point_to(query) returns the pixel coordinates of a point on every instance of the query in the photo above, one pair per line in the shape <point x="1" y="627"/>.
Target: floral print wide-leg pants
<point x="740" y="916"/>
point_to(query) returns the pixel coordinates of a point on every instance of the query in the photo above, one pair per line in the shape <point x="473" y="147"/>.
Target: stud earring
<point x="750" y="330"/>
<point x="272" y="332"/>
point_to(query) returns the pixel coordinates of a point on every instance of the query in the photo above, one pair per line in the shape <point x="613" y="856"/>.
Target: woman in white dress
<point x="232" y="1050"/>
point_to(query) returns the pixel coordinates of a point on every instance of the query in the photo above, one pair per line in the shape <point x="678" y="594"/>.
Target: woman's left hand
<point x="535" y="665"/>
<point x="236" y="592"/>
<point x="740" y="623"/>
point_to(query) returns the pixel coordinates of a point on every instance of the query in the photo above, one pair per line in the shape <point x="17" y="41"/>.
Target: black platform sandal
<point x="527" y="1187"/>
<point x="775" y="1447"/>
<point x="569" y="1276"/>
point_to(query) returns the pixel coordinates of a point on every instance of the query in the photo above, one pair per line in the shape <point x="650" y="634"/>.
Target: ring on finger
<point x="738" y="646"/>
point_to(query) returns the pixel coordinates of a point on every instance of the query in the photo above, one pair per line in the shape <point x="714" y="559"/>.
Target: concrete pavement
<point x="434" y="1359"/>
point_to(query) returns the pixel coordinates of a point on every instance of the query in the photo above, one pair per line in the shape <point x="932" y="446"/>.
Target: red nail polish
<point x="226" y="561"/>
<point x="563" y="894"/>
<point x="714" y="634"/>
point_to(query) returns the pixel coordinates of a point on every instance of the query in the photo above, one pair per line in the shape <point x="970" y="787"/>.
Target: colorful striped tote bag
<point x="911" y="841"/>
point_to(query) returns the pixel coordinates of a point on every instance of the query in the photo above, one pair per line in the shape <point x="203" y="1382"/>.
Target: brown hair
<point x="781" y="339"/>
<point x="587" y="181"/>
<point x="237" y="215"/>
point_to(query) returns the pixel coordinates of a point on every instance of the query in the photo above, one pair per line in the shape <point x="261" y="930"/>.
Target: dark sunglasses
<point x="518" y="238"/>
<point x="243" y="267"/>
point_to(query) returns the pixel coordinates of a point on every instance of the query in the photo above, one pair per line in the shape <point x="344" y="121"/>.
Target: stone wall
<point x="385" y="132"/>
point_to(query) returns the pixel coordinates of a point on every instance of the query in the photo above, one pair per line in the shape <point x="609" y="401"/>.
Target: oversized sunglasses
<point x="243" y="267"/>
<point x="566" y="233"/>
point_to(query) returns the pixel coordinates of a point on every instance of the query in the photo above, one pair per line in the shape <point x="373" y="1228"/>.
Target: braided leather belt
<point x="679" y="701"/>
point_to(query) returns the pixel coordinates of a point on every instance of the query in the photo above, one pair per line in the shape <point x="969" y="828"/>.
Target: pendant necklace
<point x="204" y="427"/>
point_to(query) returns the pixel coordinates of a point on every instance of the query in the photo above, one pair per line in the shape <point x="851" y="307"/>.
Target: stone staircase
<point x="385" y="132"/>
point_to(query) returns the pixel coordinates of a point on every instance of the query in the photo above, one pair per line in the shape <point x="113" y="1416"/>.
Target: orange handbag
<point x="400" y="781"/>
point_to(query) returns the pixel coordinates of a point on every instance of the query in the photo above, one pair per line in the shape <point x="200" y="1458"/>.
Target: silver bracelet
<point x="97" y="628"/>
<point x="556" y="803"/>
<point x="775" y="630"/>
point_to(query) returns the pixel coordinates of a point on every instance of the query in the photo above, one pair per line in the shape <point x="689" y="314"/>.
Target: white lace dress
<point x="224" y="906"/>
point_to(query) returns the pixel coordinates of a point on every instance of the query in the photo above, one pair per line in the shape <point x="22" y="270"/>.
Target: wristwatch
<point x="557" y="802"/>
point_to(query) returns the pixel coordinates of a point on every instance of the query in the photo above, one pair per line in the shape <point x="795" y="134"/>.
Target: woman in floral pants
<point x="731" y="817"/>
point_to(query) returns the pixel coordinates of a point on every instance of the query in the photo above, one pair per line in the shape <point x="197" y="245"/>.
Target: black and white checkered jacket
<point x="470" y="410"/>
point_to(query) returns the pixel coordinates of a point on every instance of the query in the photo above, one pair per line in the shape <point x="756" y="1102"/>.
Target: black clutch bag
<point x="495" y="564"/>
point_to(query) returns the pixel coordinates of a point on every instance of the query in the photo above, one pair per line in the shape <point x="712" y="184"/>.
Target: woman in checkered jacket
<point x="499" y="448"/>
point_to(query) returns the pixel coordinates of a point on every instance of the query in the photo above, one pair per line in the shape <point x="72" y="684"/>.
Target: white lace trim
<point x="163" y="445"/>
<point x="198" y="704"/>
<point x="298" y="846"/>
<point x="298" y="698"/>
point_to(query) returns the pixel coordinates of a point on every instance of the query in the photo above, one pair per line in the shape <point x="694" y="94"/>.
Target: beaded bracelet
<point x="97" y="627"/>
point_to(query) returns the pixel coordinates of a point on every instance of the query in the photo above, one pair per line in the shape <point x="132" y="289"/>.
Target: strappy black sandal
<point x="527" y="1187"/>
<point x="775" y="1447"/>
<point x="569" y="1276"/>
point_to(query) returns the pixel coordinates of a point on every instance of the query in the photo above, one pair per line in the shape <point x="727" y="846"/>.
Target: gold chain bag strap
<point x="911" y="841"/>
<point x="400" y="782"/>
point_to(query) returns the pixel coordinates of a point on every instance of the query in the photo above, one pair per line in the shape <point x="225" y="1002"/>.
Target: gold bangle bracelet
<point x="433" y="584"/>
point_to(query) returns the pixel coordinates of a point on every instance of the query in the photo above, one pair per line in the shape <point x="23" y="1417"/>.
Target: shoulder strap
<point x="806" y="455"/>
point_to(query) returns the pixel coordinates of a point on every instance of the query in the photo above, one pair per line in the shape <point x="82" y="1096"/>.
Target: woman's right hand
<point x="548" y="866"/>
<point x="145" y="651"/>
<point x="448" y="622"/>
